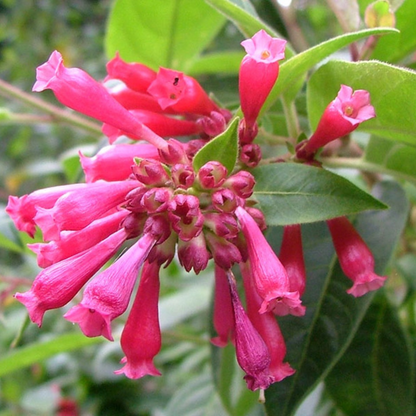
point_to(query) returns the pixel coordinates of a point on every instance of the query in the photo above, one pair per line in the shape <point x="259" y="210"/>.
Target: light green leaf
<point x="392" y="90"/>
<point x="318" y="340"/>
<point x="168" y="33"/>
<point x="223" y="149"/>
<point x="379" y="364"/>
<point x="300" y="64"/>
<point x="291" y="193"/>
<point x="34" y="353"/>
<point x="225" y="62"/>
<point x="397" y="158"/>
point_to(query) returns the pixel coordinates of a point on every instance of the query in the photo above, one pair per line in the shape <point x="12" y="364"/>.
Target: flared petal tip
<point x="33" y="307"/>
<point x="138" y="370"/>
<point x="366" y="284"/>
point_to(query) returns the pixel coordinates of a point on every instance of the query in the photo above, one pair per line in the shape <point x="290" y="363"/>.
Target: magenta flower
<point x="224" y="252"/>
<point x="71" y="243"/>
<point x="341" y="117"/>
<point x="267" y="327"/>
<point x="136" y="76"/>
<point x="55" y="286"/>
<point x="270" y="277"/>
<point x="252" y="352"/>
<point x="355" y="258"/>
<point x="107" y="296"/>
<point x="75" y="210"/>
<point x="141" y="338"/>
<point x="114" y="163"/>
<point x="193" y="253"/>
<point x="291" y="256"/>
<point x="181" y="93"/>
<point x="258" y="73"/>
<point x="223" y="320"/>
<point x="212" y="175"/>
<point x="77" y="90"/>
<point x="23" y="210"/>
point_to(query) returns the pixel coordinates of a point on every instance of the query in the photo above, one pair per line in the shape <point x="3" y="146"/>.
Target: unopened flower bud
<point x="183" y="176"/>
<point x="150" y="172"/>
<point x="212" y="175"/>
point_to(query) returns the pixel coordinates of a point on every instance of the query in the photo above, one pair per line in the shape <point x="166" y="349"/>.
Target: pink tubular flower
<point x="77" y="90"/>
<point x="180" y="93"/>
<point x="23" y="210"/>
<point x="291" y="256"/>
<point x="342" y="116"/>
<point x="160" y="124"/>
<point x="136" y="76"/>
<point x="71" y="243"/>
<point x="270" y="277"/>
<point x="258" y="73"/>
<point x="252" y="352"/>
<point x="267" y="327"/>
<point x="141" y="338"/>
<point x="107" y="296"/>
<point x="223" y="319"/>
<point x="55" y="286"/>
<point x="75" y="210"/>
<point x="355" y="258"/>
<point x="113" y="163"/>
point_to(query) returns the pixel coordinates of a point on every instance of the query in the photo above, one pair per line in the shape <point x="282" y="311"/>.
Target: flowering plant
<point x="293" y="252"/>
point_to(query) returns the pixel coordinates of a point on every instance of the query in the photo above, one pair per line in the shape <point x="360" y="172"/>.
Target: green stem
<point x="56" y="113"/>
<point x="361" y="164"/>
<point x="292" y="122"/>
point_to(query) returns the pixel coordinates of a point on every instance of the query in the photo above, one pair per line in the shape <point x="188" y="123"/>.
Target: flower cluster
<point x="150" y="199"/>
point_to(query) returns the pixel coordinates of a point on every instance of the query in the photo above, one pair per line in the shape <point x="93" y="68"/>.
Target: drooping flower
<point x="141" y="338"/>
<point x="193" y="254"/>
<point x="76" y="89"/>
<point x="252" y="353"/>
<point x="56" y="285"/>
<point x="223" y="319"/>
<point x="270" y="277"/>
<point x="341" y="117"/>
<point x="355" y="258"/>
<point x="291" y="256"/>
<point x="267" y="327"/>
<point x="107" y="296"/>
<point x="258" y="73"/>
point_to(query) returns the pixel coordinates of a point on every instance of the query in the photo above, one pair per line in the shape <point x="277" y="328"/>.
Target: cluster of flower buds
<point x="151" y="196"/>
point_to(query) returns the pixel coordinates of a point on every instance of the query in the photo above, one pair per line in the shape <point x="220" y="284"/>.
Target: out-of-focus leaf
<point x="226" y="62"/>
<point x="223" y="149"/>
<point x="36" y="352"/>
<point x="318" y="340"/>
<point x="392" y="94"/>
<point x="168" y="33"/>
<point x="395" y="48"/>
<point x="396" y="158"/>
<point x="291" y="193"/>
<point x="379" y="364"/>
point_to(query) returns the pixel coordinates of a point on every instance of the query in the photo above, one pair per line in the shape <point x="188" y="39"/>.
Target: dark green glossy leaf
<point x="169" y="33"/>
<point x="392" y="90"/>
<point x="227" y="62"/>
<point x="378" y="364"/>
<point x="291" y="193"/>
<point x="317" y="341"/>
<point x="223" y="149"/>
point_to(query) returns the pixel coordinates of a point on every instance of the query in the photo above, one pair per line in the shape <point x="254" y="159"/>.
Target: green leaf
<point x="392" y="90"/>
<point x="317" y="341"/>
<point x="223" y="149"/>
<point x="291" y="193"/>
<point x="378" y="364"/>
<point x="39" y="351"/>
<point x="395" y="48"/>
<point x="225" y="62"/>
<point x="168" y="33"/>
<point x="300" y="64"/>
<point x="395" y="158"/>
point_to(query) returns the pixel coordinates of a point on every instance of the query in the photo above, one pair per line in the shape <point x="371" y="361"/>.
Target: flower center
<point x="348" y="110"/>
<point x="265" y="54"/>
